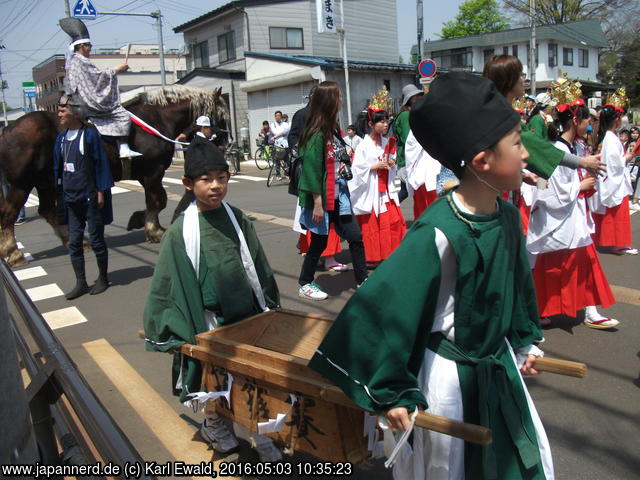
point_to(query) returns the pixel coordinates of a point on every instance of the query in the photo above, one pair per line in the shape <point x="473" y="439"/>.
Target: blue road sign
<point x="427" y="68"/>
<point x="84" y="9"/>
<point x="30" y="94"/>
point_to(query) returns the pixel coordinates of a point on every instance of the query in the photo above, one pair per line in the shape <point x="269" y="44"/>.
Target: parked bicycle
<point x="232" y="157"/>
<point x="279" y="166"/>
<point x="263" y="154"/>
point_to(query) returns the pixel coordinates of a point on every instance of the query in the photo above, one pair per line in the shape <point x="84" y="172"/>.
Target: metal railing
<point x="53" y="373"/>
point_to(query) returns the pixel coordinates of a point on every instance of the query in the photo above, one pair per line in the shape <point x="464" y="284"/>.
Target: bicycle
<point x="232" y="157"/>
<point x="263" y="154"/>
<point x="279" y="162"/>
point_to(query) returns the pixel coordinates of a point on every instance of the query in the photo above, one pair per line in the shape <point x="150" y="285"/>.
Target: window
<point x="553" y="54"/>
<point x="226" y="47"/>
<point x="505" y="50"/>
<point x="487" y="53"/>
<point x="283" y="37"/>
<point x="458" y="58"/>
<point x="583" y="58"/>
<point x="567" y="56"/>
<point x="201" y="54"/>
<point x="514" y="50"/>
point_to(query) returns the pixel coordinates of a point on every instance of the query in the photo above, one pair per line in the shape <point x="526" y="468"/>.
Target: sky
<point x="30" y="33"/>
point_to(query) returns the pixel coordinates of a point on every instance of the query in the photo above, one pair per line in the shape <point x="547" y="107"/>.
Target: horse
<point x="26" y="159"/>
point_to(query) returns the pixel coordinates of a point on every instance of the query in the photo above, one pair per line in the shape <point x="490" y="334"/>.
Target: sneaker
<point x="20" y="221"/>
<point x="634" y="206"/>
<point x="626" y="251"/>
<point x="337" y="267"/>
<point x="269" y="452"/>
<point x="312" y="291"/>
<point x="218" y="434"/>
<point x="601" y="323"/>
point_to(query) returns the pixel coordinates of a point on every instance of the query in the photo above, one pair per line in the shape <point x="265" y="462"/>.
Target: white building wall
<point x="295" y="14"/>
<point x="371" y="31"/>
<point x="209" y="32"/>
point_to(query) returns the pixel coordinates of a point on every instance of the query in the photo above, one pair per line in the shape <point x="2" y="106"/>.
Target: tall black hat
<point x="202" y="157"/>
<point x="76" y="29"/>
<point x="462" y="115"/>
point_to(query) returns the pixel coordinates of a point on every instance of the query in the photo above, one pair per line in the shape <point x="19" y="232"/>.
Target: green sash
<point x="496" y="397"/>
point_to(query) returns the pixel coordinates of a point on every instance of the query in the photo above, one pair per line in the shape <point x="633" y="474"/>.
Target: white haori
<point x="528" y="193"/>
<point x="615" y="184"/>
<point x="363" y="187"/>
<point x="434" y="455"/>
<point x="559" y="218"/>
<point x="422" y="168"/>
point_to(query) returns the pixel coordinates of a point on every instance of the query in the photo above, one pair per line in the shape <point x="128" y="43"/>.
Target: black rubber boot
<point x="102" y="282"/>
<point x="81" y="281"/>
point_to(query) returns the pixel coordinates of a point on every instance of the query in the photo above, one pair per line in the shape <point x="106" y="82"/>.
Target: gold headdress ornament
<point x="519" y="104"/>
<point x="618" y="99"/>
<point x="565" y="91"/>
<point x="381" y="101"/>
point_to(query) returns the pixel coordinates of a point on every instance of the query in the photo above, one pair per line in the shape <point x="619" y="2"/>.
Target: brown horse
<point x="26" y="159"/>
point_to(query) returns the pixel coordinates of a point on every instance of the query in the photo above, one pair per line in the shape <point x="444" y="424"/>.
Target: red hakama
<point x="568" y="280"/>
<point x="382" y="234"/>
<point x="613" y="228"/>
<point x="333" y="243"/>
<point x="422" y="199"/>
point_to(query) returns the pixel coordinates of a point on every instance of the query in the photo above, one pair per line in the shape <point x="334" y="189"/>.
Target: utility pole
<point x="163" y="76"/>
<point x="419" y="15"/>
<point x="345" y="63"/>
<point x="4" y="102"/>
<point x="533" y="65"/>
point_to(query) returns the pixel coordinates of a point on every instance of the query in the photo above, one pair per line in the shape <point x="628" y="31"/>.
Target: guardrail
<point x="59" y="397"/>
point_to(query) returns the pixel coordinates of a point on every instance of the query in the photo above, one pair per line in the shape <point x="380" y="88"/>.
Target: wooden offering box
<point x="267" y="356"/>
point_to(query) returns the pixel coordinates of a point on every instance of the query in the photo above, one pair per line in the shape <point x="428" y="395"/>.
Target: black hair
<point x="266" y="122"/>
<point x="608" y="116"/>
<point x="537" y="109"/>
<point x="379" y="116"/>
<point x="351" y="127"/>
<point x="564" y="119"/>
<point x="277" y="112"/>
<point x="624" y="130"/>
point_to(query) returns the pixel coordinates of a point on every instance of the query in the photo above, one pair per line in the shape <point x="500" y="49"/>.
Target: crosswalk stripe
<point x="29" y="273"/>
<point x="65" y="317"/>
<point x="117" y="190"/>
<point x="43" y="292"/>
<point x="171" y="431"/>
<point x="175" y="181"/>
<point x="249" y="177"/>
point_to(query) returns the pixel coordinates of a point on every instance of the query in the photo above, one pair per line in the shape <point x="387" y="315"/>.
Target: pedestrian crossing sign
<point x="84" y="9"/>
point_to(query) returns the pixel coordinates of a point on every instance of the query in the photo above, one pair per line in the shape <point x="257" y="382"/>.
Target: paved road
<point x="593" y="424"/>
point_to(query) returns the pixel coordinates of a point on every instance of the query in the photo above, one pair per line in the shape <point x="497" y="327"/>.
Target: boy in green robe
<point x="211" y="271"/>
<point x="449" y="321"/>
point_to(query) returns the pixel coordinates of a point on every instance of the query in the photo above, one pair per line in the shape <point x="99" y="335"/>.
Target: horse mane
<point x="201" y="100"/>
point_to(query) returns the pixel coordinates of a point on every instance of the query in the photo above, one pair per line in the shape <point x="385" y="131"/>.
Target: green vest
<point x="379" y="338"/>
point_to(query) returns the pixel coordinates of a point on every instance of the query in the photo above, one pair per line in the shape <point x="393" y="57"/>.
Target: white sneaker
<point x="218" y="434"/>
<point x="312" y="291"/>
<point x="626" y="251"/>
<point x="634" y="206"/>
<point x="269" y="452"/>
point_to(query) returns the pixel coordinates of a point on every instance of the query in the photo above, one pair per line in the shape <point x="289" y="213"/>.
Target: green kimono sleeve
<point x="312" y="177"/>
<point x="376" y="346"/>
<point x="538" y="126"/>
<point x="525" y="323"/>
<point x="401" y="129"/>
<point x="543" y="157"/>
<point x="174" y="313"/>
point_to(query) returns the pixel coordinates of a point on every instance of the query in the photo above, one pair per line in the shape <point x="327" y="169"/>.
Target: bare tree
<point x="561" y="11"/>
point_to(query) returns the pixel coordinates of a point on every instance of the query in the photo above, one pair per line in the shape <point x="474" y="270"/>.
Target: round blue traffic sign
<point x="427" y="68"/>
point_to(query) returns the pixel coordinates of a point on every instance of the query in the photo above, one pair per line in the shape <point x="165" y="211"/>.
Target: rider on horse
<point x="98" y="89"/>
